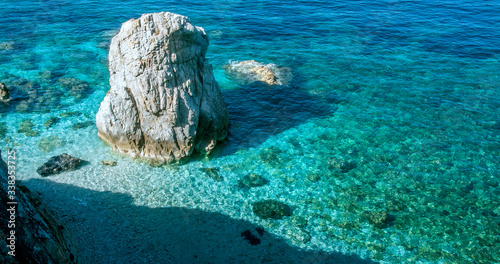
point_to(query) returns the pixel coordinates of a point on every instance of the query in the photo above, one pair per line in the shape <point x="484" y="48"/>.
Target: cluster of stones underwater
<point x="46" y="92"/>
<point x="389" y="202"/>
<point x="35" y="128"/>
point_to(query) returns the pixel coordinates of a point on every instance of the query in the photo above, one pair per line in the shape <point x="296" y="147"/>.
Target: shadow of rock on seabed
<point x="258" y="111"/>
<point x="109" y="228"/>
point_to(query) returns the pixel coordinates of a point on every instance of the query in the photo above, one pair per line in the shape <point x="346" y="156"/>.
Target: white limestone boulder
<point x="164" y="102"/>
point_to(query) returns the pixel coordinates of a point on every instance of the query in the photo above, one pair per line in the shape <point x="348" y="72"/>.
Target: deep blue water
<point x="394" y="104"/>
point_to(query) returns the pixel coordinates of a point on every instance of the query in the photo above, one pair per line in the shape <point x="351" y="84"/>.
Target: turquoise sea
<point x="386" y="143"/>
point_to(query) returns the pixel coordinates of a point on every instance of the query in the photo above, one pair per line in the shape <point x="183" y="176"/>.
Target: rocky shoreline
<point x="39" y="235"/>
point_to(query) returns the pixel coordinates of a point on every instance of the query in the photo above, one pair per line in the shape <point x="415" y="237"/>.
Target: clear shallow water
<point x="394" y="106"/>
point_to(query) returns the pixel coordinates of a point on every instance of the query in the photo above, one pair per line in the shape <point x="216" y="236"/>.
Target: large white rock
<point x="164" y="102"/>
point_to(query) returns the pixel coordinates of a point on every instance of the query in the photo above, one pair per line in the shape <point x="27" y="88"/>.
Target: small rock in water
<point x="108" y="162"/>
<point x="341" y="164"/>
<point x="252" y="180"/>
<point x="314" y="177"/>
<point x="50" y="122"/>
<point x="50" y="143"/>
<point x="213" y="173"/>
<point x="3" y="130"/>
<point x="271" y="209"/>
<point x="252" y="239"/>
<point x="251" y="71"/>
<point x="380" y="219"/>
<point x="4" y="93"/>
<point x="26" y="127"/>
<point x="77" y="88"/>
<point x="45" y="76"/>
<point x="298" y="235"/>
<point x="299" y="221"/>
<point x="260" y="230"/>
<point x="57" y="164"/>
<point x="70" y="114"/>
<point x="82" y="125"/>
<point x="271" y="156"/>
<point x="7" y="45"/>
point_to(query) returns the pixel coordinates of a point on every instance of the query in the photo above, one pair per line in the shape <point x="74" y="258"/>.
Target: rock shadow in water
<point x="109" y="228"/>
<point x="258" y="111"/>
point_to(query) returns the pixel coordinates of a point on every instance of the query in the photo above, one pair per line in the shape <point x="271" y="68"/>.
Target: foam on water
<point x="393" y="108"/>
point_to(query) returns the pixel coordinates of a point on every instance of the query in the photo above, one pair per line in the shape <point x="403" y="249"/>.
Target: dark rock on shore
<point x="57" y="164"/>
<point x="39" y="235"/>
<point x="271" y="209"/>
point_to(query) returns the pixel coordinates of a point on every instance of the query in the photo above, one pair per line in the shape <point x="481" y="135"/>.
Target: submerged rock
<point x="8" y="45"/>
<point x="271" y="209"/>
<point x="31" y="95"/>
<point x="45" y="76"/>
<point x="341" y="164"/>
<point x="49" y="143"/>
<point x="298" y="236"/>
<point x="299" y="221"/>
<point x="50" y="122"/>
<point x="164" y="102"/>
<point x="252" y="180"/>
<point x="251" y="238"/>
<point x="213" y="173"/>
<point x="379" y="219"/>
<point x="80" y="125"/>
<point x="70" y="114"/>
<point x="3" y="130"/>
<point x="252" y="71"/>
<point x="271" y="156"/>
<point x="77" y="88"/>
<point x="58" y="164"/>
<point x="4" y="93"/>
<point x="26" y="127"/>
<point x="313" y="177"/>
<point x="40" y="236"/>
<point x="260" y="230"/>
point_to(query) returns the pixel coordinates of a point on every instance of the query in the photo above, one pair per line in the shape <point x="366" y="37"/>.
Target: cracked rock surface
<point x="164" y="102"/>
